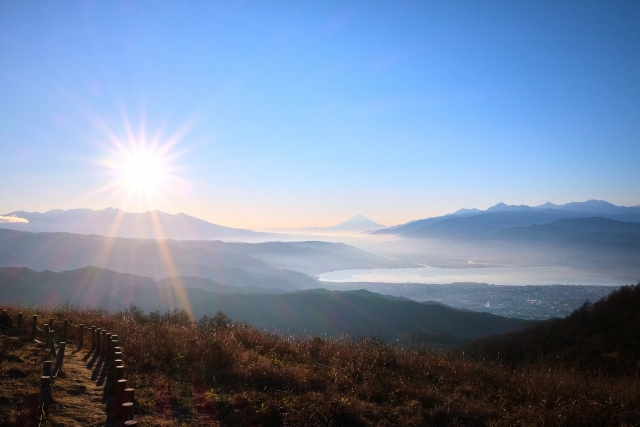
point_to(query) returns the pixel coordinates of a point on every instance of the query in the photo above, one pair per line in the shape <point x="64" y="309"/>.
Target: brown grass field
<point x="212" y="372"/>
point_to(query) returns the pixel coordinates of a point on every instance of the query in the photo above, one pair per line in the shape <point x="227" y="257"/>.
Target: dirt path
<point x="78" y="391"/>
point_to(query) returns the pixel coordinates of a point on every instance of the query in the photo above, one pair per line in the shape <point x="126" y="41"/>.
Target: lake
<point x="513" y="276"/>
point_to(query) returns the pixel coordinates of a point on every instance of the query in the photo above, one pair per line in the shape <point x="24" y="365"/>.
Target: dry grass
<point x="207" y="373"/>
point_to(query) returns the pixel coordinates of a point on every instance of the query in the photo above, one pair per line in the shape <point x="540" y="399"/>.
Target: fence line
<point x="102" y="342"/>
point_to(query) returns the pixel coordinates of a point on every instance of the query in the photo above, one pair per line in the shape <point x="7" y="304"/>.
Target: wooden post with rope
<point x="45" y="329"/>
<point x="65" y="326"/>
<point x="46" y="369"/>
<point x="48" y="372"/>
<point x="45" y="393"/>
<point x="60" y="358"/>
<point x="50" y="343"/>
<point x="34" y="327"/>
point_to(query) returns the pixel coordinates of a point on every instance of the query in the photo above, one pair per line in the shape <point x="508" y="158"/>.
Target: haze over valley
<point x="592" y="246"/>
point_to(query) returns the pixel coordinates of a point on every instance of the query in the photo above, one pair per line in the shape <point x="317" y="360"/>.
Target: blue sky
<point x="307" y="113"/>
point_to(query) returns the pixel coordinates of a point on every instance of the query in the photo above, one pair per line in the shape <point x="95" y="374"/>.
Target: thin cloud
<point x="12" y="219"/>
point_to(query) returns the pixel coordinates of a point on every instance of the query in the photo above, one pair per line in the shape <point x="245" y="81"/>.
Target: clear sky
<point x="282" y="114"/>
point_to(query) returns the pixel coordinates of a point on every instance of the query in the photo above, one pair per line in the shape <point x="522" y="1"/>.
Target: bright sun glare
<point x="142" y="172"/>
<point x="142" y="168"/>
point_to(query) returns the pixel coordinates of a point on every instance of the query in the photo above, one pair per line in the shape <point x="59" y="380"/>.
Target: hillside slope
<point x="602" y="335"/>
<point x="213" y="373"/>
<point x="310" y="257"/>
<point x="355" y="313"/>
<point x="154" y="258"/>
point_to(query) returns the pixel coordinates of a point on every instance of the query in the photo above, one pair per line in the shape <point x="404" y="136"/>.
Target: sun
<point x="143" y="172"/>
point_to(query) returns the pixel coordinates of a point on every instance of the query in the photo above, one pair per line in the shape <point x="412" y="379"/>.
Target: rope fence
<point x="103" y="343"/>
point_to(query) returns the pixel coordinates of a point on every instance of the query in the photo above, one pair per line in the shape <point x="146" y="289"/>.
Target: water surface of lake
<point x="515" y="276"/>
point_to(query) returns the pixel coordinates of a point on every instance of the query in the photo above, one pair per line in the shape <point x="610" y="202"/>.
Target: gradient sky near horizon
<point x="286" y="114"/>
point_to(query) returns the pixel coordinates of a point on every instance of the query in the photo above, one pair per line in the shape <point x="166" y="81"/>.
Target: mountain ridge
<point x="358" y="223"/>
<point x="568" y="210"/>
<point x="277" y="265"/>
<point x="308" y="312"/>
<point x="114" y="222"/>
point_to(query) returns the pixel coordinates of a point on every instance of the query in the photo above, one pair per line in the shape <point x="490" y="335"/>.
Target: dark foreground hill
<point x="601" y="336"/>
<point x="356" y="313"/>
<point x="212" y="373"/>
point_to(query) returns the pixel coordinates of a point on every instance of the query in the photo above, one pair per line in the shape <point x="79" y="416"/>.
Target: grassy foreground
<point x="212" y="372"/>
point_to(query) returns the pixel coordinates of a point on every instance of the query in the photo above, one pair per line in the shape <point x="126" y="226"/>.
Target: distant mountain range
<point x="358" y="223"/>
<point x="356" y="313"/>
<point x="475" y="222"/>
<point x="591" y="235"/>
<point x="117" y="223"/>
<point x="114" y="222"/>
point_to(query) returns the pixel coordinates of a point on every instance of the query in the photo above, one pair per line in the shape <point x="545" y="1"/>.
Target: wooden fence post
<point x="108" y="342"/>
<point x="128" y="394"/>
<point x="45" y="328"/>
<point x="121" y="385"/>
<point x="45" y="393"/>
<point x="98" y="343"/>
<point x="61" y="348"/>
<point x="65" y="326"/>
<point x="20" y="321"/>
<point x="93" y="338"/>
<point x="51" y="322"/>
<point x="119" y="371"/>
<point x="114" y="344"/>
<point x="127" y="406"/>
<point x="127" y="409"/>
<point x="116" y="357"/>
<point x="51" y="344"/>
<point x="80" y="335"/>
<point x="34" y="326"/>
<point x="47" y="372"/>
<point x="46" y="368"/>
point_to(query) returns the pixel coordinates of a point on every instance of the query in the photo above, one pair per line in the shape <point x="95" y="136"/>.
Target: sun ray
<point x="177" y="286"/>
<point x="140" y="165"/>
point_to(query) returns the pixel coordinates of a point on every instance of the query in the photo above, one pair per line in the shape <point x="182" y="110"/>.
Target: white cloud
<point x="12" y="219"/>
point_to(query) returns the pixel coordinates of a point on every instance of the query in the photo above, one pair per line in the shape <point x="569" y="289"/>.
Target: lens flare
<point x="142" y="170"/>
<point x="142" y="175"/>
